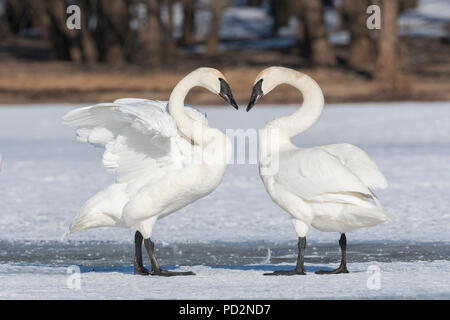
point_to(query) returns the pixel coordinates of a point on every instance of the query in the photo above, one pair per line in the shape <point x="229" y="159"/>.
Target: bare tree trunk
<point x="281" y="14"/>
<point x="150" y="33"/>
<point x="214" y="37"/>
<point x="407" y="4"/>
<point x="115" y="30"/>
<point x="171" y="45"/>
<point x="90" y="49"/>
<point x="17" y="15"/>
<point x="255" y="3"/>
<point x="20" y="15"/>
<point x="316" y="44"/>
<point x="387" y="42"/>
<point x="65" y="42"/>
<point x="188" y="22"/>
<point x="297" y="11"/>
<point x="362" y="48"/>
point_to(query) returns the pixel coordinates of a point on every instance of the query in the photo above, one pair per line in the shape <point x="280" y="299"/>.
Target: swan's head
<point x="215" y="81"/>
<point x="265" y="82"/>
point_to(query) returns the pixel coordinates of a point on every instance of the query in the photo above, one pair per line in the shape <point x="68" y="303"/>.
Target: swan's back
<point x="359" y="163"/>
<point x="310" y="173"/>
<point x="336" y="182"/>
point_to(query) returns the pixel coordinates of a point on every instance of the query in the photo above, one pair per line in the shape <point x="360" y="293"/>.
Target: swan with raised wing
<point x="164" y="156"/>
<point x="326" y="187"/>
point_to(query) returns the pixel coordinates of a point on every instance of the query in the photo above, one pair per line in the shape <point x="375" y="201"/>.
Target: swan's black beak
<point x="257" y="93"/>
<point x="225" y="93"/>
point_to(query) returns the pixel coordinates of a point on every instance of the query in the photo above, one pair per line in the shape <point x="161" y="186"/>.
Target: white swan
<point x="164" y="155"/>
<point x="327" y="187"/>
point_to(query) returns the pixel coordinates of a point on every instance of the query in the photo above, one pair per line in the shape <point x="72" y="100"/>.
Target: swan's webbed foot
<point x="156" y="267"/>
<point x="292" y="272"/>
<point x="140" y="270"/>
<point x="166" y="273"/>
<point x="343" y="266"/>
<point x="341" y="269"/>
<point x="299" y="268"/>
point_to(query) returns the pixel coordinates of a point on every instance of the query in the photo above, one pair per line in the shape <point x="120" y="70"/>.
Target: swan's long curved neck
<point x="190" y="128"/>
<point x="309" y="112"/>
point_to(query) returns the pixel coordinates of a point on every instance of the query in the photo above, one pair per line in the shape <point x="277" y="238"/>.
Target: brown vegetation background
<point x="128" y="48"/>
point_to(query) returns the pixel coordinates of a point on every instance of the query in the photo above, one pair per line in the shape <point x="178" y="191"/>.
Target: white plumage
<point x="157" y="151"/>
<point x="334" y="183"/>
<point x="142" y="147"/>
<point x="326" y="187"/>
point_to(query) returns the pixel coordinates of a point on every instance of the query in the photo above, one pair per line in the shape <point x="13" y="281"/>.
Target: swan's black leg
<point x="343" y="267"/>
<point x="138" y="265"/>
<point x="300" y="267"/>
<point x="156" y="268"/>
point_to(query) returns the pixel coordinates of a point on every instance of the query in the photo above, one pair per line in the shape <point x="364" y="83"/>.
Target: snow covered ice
<point x="47" y="176"/>
<point x="398" y="280"/>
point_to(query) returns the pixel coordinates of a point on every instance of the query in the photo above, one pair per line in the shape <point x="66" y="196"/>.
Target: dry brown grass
<point x="424" y="75"/>
<point x="57" y="82"/>
<point x="22" y="81"/>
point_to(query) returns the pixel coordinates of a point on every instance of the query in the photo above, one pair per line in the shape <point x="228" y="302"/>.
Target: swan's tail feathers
<point x="86" y="222"/>
<point x="75" y="226"/>
<point x="92" y="216"/>
<point x="64" y="236"/>
<point x="389" y="216"/>
<point x="102" y="210"/>
<point x="92" y="220"/>
<point x="368" y="217"/>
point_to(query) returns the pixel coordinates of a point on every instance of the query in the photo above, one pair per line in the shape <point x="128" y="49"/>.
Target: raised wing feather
<point x="359" y="163"/>
<point x="140" y="137"/>
<point x="314" y="174"/>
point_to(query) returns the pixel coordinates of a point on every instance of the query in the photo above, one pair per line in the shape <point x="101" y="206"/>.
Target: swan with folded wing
<point x="164" y="155"/>
<point x="326" y="187"/>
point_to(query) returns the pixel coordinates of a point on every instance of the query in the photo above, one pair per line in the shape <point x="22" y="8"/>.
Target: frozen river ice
<point x="225" y="237"/>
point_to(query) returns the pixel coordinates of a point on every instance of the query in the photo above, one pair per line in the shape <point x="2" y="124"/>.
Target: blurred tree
<point x="255" y="3"/>
<point x="407" y="4"/>
<point x="362" y="47"/>
<point x="387" y="42"/>
<point x="188" y="22"/>
<point x="280" y="10"/>
<point x="4" y="28"/>
<point x="150" y="32"/>
<point x="114" y="31"/>
<point x="88" y="42"/>
<point x="40" y="19"/>
<point x="314" y="40"/>
<point x="217" y="7"/>
<point x="170" y="40"/>
<point x="65" y="42"/>
<point x="17" y="14"/>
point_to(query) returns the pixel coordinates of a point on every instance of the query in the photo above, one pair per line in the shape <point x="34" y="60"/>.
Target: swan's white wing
<point x="314" y="174"/>
<point x="358" y="162"/>
<point x="195" y="114"/>
<point x="140" y="137"/>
